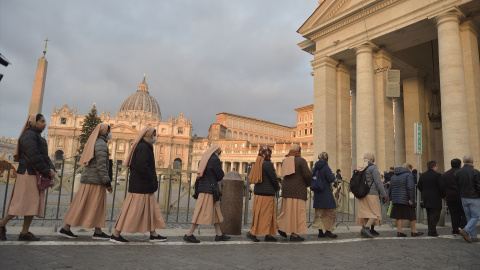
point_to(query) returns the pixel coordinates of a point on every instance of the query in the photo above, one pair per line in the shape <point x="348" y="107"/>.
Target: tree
<point x="89" y="123"/>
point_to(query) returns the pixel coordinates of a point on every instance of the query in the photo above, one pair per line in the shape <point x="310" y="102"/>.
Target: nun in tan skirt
<point x="207" y="211"/>
<point x="26" y="199"/>
<point x="140" y="211"/>
<point x="88" y="208"/>
<point x="264" y="177"/>
<point x="297" y="177"/>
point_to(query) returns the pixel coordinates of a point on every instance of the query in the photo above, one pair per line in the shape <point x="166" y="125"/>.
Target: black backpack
<point x="358" y="184"/>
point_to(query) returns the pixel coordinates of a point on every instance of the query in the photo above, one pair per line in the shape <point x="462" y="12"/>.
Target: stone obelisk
<point x="36" y="101"/>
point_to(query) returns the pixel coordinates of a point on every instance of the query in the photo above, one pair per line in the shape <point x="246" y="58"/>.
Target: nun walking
<point x="264" y="177"/>
<point x="88" y="208"/>
<point x="140" y="211"/>
<point x="207" y="210"/>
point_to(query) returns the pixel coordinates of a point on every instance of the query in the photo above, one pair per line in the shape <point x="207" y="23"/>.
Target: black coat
<point x="35" y="148"/>
<point x="324" y="199"/>
<point x="143" y="177"/>
<point x="402" y="187"/>
<point x="213" y="173"/>
<point x="452" y="191"/>
<point x="269" y="185"/>
<point x="467" y="179"/>
<point x="433" y="189"/>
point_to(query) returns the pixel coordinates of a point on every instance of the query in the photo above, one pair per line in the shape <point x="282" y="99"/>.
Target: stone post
<point x="231" y="203"/>
<point x="455" y="125"/>
<point x="344" y="152"/>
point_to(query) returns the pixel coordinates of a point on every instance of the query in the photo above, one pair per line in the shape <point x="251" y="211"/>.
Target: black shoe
<point x="157" y="238"/>
<point x="413" y="234"/>
<point x="282" y="234"/>
<point x="373" y="232"/>
<point x="119" y="239"/>
<point x="28" y="237"/>
<point x="100" y="236"/>
<point x="296" y="238"/>
<point x="251" y="237"/>
<point x="222" y="237"/>
<point x="190" y="239"/>
<point x="320" y="234"/>
<point x="67" y="234"/>
<point x="269" y="238"/>
<point x="365" y="232"/>
<point x="3" y="233"/>
<point x="400" y="234"/>
<point x="330" y="234"/>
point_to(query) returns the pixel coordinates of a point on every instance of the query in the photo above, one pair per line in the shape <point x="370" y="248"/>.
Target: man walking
<point x="454" y="202"/>
<point x="467" y="180"/>
<point x="432" y="188"/>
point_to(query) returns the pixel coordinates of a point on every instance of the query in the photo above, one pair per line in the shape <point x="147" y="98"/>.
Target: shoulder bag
<point x="43" y="182"/>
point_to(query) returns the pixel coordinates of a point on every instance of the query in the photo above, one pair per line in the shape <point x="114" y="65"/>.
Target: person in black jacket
<point x="433" y="191"/>
<point x="264" y="177"/>
<point x="207" y="210"/>
<point x="454" y="202"/>
<point x="140" y="211"/>
<point x="26" y="199"/>
<point x="467" y="180"/>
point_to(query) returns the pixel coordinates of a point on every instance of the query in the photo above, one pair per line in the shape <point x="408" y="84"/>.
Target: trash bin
<point x="231" y="203"/>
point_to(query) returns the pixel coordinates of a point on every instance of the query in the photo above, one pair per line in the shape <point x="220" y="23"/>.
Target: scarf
<point x="89" y="149"/>
<point x="256" y="173"/>
<point x="367" y="157"/>
<point x="31" y="120"/>
<point x="203" y="162"/>
<point x="146" y="132"/>
<point x="288" y="164"/>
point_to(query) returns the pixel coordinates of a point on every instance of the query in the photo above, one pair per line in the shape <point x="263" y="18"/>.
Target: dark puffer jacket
<point x="213" y="173"/>
<point x="143" y="177"/>
<point x="295" y="185"/>
<point x="453" y="195"/>
<point x="324" y="199"/>
<point x="35" y="148"/>
<point x="96" y="172"/>
<point x="402" y="187"/>
<point x="269" y="185"/>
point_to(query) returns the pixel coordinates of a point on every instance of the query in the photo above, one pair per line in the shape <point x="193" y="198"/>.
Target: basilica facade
<point x="174" y="136"/>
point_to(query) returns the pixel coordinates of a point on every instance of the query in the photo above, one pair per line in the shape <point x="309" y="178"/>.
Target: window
<point x="243" y="145"/>
<point x="299" y="133"/>
<point x="311" y="130"/>
<point x="235" y="145"/>
<point x="63" y="121"/>
<point x="305" y="132"/>
<point x="180" y="130"/>
<point x="164" y="130"/>
<point x="134" y="127"/>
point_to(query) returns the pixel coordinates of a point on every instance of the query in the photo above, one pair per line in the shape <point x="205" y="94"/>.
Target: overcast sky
<point x="200" y="57"/>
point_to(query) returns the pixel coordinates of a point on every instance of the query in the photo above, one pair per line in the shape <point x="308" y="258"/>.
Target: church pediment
<point x="125" y="129"/>
<point x="330" y="10"/>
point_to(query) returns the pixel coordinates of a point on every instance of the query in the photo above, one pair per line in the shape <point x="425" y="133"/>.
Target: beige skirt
<point x="207" y="212"/>
<point x="369" y="207"/>
<point x="26" y="198"/>
<point x="88" y="207"/>
<point x="140" y="213"/>
<point x="264" y="220"/>
<point x="293" y="216"/>
<point x="324" y="219"/>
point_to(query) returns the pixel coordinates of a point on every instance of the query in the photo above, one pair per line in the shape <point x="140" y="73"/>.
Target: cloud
<point x="200" y="57"/>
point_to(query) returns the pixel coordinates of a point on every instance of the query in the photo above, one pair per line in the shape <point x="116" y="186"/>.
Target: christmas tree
<point x="89" y="123"/>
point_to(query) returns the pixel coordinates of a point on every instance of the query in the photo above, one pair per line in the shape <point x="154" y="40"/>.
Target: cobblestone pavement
<point x="348" y="251"/>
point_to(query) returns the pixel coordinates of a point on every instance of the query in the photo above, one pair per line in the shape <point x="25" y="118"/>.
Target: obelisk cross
<point x="45" y="49"/>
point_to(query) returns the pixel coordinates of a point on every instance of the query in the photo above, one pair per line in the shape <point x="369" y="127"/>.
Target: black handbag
<point x="195" y="194"/>
<point x="217" y="194"/>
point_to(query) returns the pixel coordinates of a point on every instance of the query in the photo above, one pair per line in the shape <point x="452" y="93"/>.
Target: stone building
<point x="174" y="136"/>
<point x="423" y="54"/>
<point x="240" y="138"/>
<point x="7" y="147"/>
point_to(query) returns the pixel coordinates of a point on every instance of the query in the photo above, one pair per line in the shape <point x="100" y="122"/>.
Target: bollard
<point x="231" y="203"/>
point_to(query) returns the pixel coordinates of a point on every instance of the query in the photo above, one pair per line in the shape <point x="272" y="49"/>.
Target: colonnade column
<point x="353" y="119"/>
<point x="325" y="108"/>
<point x="385" y="156"/>
<point x="469" y="38"/>
<point x="344" y="153"/>
<point x="415" y="112"/>
<point x="456" y="138"/>
<point x="114" y="149"/>
<point x="400" y="158"/>
<point x="365" y="107"/>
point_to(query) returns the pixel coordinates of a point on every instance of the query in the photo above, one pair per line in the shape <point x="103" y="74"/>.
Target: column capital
<point x="368" y="47"/>
<point x="383" y="54"/>
<point x="453" y="16"/>
<point x="324" y="61"/>
<point x="468" y="25"/>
